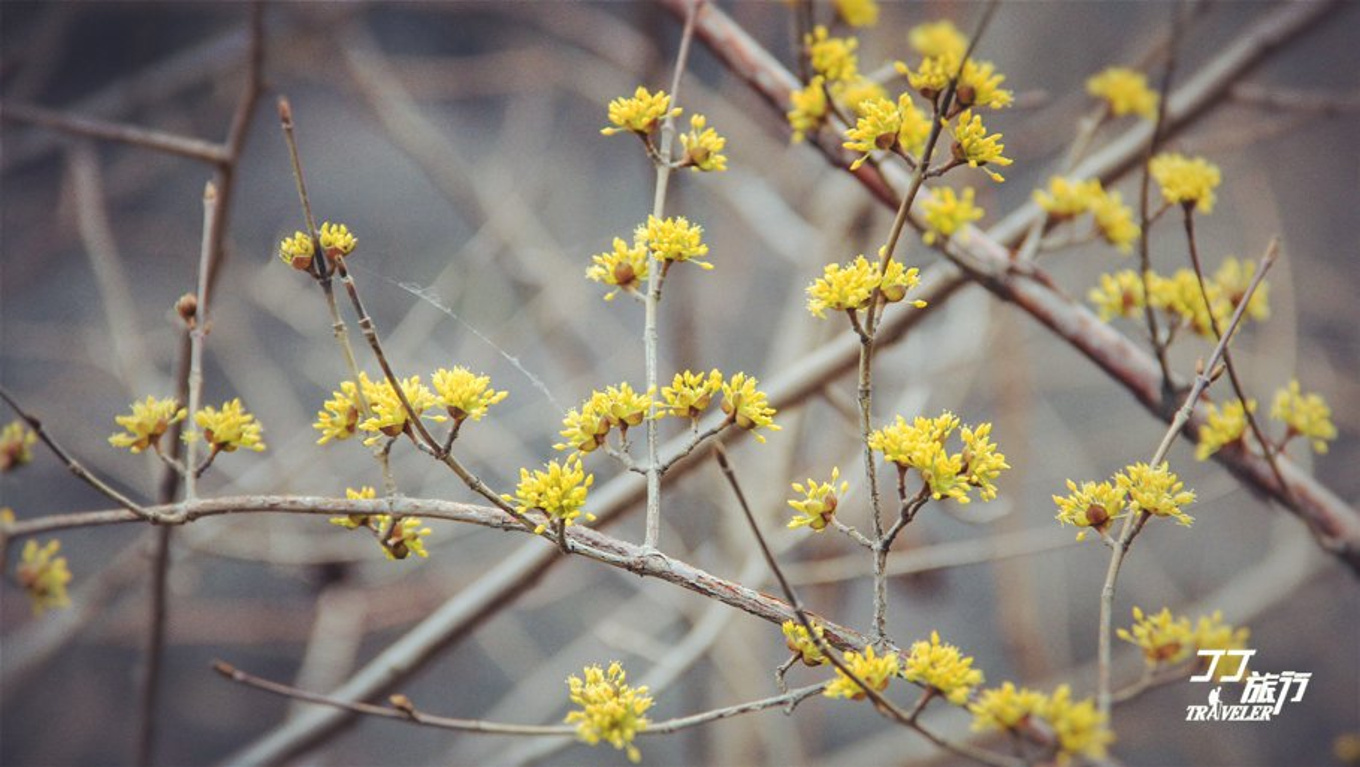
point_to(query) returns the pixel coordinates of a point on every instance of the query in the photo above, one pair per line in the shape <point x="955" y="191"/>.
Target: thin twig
<point x="1133" y="524"/>
<point x="147" y="138"/>
<point x="650" y="335"/>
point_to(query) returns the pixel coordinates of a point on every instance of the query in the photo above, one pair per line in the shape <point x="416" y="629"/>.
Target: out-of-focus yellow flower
<point x="16" y="445"/>
<point x="1186" y="180"/>
<point x="1305" y="415"/>
<point x="946" y="213"/>
<point x="44" y="575"/>
<point x="1125" y="91"/>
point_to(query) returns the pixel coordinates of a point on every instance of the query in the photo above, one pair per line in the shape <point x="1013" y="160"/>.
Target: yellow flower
<point x="943" y="668"/>
<point x="703" y="146"/>
<point x="389" y="416"/>
<point x="938" y="39"/>
<point x="746" y="406"/>
<point x="884" y="125"/>
<point x="1232" y="279"/>
<point x="16" y="443"/>
<point x="640" y="113"/>
<point x="586" y="428"/>
<point x="465" y="394"/>
<point x="1211" y="633"/>
<point x="1163" y="638"/>
<point x="1223" y="427"/>
<point x="1186" y="180"/>
<point x="932" y="77"/>
<point x="1180" y="295"/>
<point x="818" y="504"/>
<point x="1005" y="707"/>
<point x="355" y="521"/>
<point x="1305" y="415"/>
<point x="625" y="267"/>
<point x="1125" y="91"/>
<point x="832" y="57"/>
<point x="897" y="280"/>
<point x="1066" y="198"/>
<point x="149" y="421"/>
<point x="1079" y="726"/>
<point x="336" y="240"/>
<point x="44" y="575"/>
<point x="1114" y="220"/>
<point x="920" y="445"/>
<point x="1091" y="505"/>
<point x="846" y="287"/>
<point x="980" y="85"/>
<point x="297" y="251"/>
<point x="858" y="13"/>
<point x="946" y="213"/>
<point x="339" y="417"/>
<point x="981" y="462"/>
<point x="809" y="108"/>
<point x="690" y="393"/>
<point x="560" y="492"/>
<point x="1158" y="491"/>
<point x="875" y="671"/>
<point x="674" y="239"/>
<point x="1119" y="295"/>
<point x="611" y="710"/>
<point x="854" y="93"/>
<point x="799" y="641"/>
<point x="974" y="146"/>
<point x="229" y="428"/>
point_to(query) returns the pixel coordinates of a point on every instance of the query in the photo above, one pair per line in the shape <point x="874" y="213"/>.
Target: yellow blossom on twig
<point x="560" y="492"/>
<point x="943" y="668"/>
<point x="1186" y="180"/>
<point x="747" y="406"/>
<point x="1223" y="426"/>
<point x="1156" y="490"/>
<point x="1079" y="726"/>
<point x="973" y="145"/>
<point x="611" y="710"/>
<point x="16" y="445"/>
<point x="465" y="394"/>
<point x="801" y="643"/>
<point x="149" y="421"/>
<point x="946" y="213"/>
<point x="297" y="251"/>
<point x="818" y="504"/>
<point x="1092" y="505"/>
<point x="44" y="575"/>
<point x="641" y="113"/>
<point x="228" y="428"/>
<point x="1005" y="707"/>
<point x="703" y="146"/>
<point x="832" y="57"/>
<point x="808" y="108"/>
<point x="1305" y="415"/>
<point x="690" y="393"/>
<point x="674" y="239"/>
<point x="336" y="240"/>
<point x="1125" y="91"/>
<point x="874" y="670"/>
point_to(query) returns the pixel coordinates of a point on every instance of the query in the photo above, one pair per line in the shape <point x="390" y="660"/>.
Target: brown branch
<point x="146" y="138"/>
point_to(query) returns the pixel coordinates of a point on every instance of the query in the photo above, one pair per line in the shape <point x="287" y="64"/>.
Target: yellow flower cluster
<point x="1079" y="726"/>
<point x="942" y="45"/>
<point x="44" y="575"/>
<point x="336" y="240"/>
<point x="673" y="239"/>
<point x="297" y="251"/>
<point x="973" y="145"/>
<point x="858" y="13"/>
<point x="801" y="643"/>
<point x="388" y="416"/>
<point x="1125" y="91"/>
<point x="611" y="710"/>
<point x="464" y="394"/>
<point x="1304" y="415"/>
<point x="1005" y="707"/>
<point x="1066" y="199"/>
<point x="1185" y="180"/>
<point x="228" y="428"/>
<point x="150" y="420"/>
<point x="809" y="108"/>
<point x="876" y="671"/>
<point x="356" y="521"/>
<point x="937" y="39"/>
<point x="849" y="286"/>
<point x="1092" y="505"/>
<point x="16" y="445"/>
<point x="587" y="427"/>
<point x="818" y="505"/>
<point x="885" y="125"/>
<point x="747" y="406"/>
<point x="943" y="668"/>
<point x="641" y="113"/>
<point x="624" y="268"/>
<point x="1168" y="639"/>
<point x="1223" y="426"/>
<point x="690" y="393"/>
<point x="703" y="146"/>
<point x="832" y="57"/>
<point x="1156" y="490"/>
<point x="920" y="445"/>
<point x="946" y="213"/>
<point x="560" y="492"/>
<point x="1139" y="487"/>
<point x="1180" y="298"/>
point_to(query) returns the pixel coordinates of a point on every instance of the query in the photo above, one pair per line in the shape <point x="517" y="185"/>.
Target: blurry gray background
<point x="492" y="191"/>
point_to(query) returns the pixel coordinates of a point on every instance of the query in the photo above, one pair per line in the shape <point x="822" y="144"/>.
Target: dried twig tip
<point x="285" y="112"/>
<point x="225" y="669"/>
